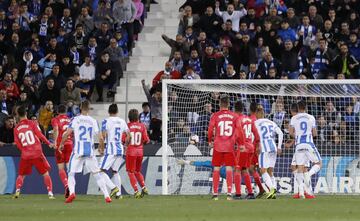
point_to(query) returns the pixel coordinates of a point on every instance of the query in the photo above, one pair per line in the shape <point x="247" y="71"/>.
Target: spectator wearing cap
<point x="231" y="14"/>
<point x="187" y="19"/>
<point x="124" y="13"/>
<point x="230" y="73"/>
<point x="286" y="32"/>
<point x="345" y="63"/>
<point x="47" y="63"/>
<point x="105" y="75"/>
<point x="179" y="44"/>
<point x="190" y="74"/>
<point x="70" y="96"/>
<point x="50" y="93"/>
<point x="86" y="20"/>
<point x="10" y="88"/>
<point x="87" y="76"/>
<point x="57" y="76"/>
<point x="167" y="73"/>
<point x="210" y="23"/>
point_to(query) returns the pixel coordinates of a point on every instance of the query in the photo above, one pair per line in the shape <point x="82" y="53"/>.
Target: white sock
<point x="107" y="181"/>
<point x="50" y="193"/>
<point x="101" y="183"/>
<point x="273" y="180"/>
<point x="300" y="180"/>
<point x="314" y="169"/>
<point x="71" y="182"/>
<point x="307" y="181"/>
<point x="267" y="180"/>
<point x="296" y="185"/>
<point x="117" y="181"/>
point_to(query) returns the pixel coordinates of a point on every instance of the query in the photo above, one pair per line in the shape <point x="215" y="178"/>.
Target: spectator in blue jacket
<point x="286" y="33"/>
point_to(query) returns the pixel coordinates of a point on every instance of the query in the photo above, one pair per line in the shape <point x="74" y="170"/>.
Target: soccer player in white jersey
<point x="84" y="128"/>
<point x="268" y="149"/>
<point x="112" y="130"/>
<point x="303" y="129"/>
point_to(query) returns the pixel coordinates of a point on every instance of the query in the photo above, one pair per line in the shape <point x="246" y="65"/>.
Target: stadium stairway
<point x="148" y="58"/>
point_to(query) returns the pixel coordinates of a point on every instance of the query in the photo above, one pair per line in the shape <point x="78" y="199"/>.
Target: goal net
<point x="188" y="105"/>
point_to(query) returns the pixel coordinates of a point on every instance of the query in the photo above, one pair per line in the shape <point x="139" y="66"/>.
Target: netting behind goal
<point x="335" y="105"/>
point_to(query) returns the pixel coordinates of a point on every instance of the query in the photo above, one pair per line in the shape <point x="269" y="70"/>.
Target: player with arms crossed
<point x="84" y="128"/>
<point x="267" y="149"/>
<point x="303" y="129"/>
<point x="246" y="130"/>
<point x="224" y="123"/>
<point x="112" y="129"/>
<point x="134" y="152"/>
<point x="60" y="123"/>
<point x="27" y="136"/>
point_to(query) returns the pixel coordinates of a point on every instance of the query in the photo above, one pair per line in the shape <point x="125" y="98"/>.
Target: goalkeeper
<point x="206" y="163"/>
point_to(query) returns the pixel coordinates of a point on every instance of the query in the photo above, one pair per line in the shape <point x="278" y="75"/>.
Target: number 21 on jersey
<point x="226" y="128"/>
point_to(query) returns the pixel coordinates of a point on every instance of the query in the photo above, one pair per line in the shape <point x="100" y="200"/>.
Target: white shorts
<point x="306" y="153"/>
<point x="111" y="161"/>
<point x="76" y="164"/>
<point x="293" y="162"/>
<point x="267" y="159"/>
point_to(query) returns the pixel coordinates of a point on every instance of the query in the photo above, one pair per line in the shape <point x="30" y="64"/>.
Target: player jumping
<point x="267" y="149"/>
<point x="27" y="136"/>
<point x="60" y="123"/>
<point x="134" y="152"/>
<point x="84" y="128"/>
<point x="112" y="129"/>
<point x="224" y="123"/>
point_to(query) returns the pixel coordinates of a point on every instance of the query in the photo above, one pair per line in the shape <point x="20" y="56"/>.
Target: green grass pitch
<point x="199" y="208"/>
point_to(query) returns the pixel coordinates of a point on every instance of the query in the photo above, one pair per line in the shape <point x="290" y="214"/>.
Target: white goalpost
<point x="188" y="104"/>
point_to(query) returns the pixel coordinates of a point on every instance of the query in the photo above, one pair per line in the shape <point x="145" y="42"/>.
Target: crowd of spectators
<point x="262" y="39"/>
<point x="60" y="52"/>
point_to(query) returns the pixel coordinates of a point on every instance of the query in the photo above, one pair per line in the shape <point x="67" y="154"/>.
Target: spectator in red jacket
<point x="10" y="87"/>
<point x="168" y="73"/>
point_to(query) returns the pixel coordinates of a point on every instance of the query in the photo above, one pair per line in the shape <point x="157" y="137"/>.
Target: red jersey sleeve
<point x="240" y="136"/>
<point x="145" y="136"/>
<point x="211" y="128"/>
<point x="54" y="123"/>
<point x="123" y="138"/>
<point x="39" y="134"/>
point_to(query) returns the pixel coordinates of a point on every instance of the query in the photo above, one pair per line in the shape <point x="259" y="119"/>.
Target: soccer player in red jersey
<point x="254" y="161"/>
<point x="134" y="152"/>
<point x="224" y="123"/>
<point x="60" y="123"/>
<point x="27" y="136"/>
<point x="244" y="155"/>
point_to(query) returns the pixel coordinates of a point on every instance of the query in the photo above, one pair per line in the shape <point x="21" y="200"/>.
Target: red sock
<point x="19" y="181"/>
<point x="237" y="181"/>
<point x="48" y="183"/>
<point x="258" y="181"/>
<point x="140" y="179"/>
<point x="133" y="181"/>
<point x="247" y="181"/>
<point x="63" y="177"/>
<point x="229" y="181"/>
<point x="216" y="180"/>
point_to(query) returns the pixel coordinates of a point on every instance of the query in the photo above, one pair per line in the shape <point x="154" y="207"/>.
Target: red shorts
<point x="133" y="163"/>
<point x="41" y="165"/>
<point x="243" y="160"/>
<point x="223" y="159"/>
<point x="255" y="159"/>
<point x="64" y="155"/>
